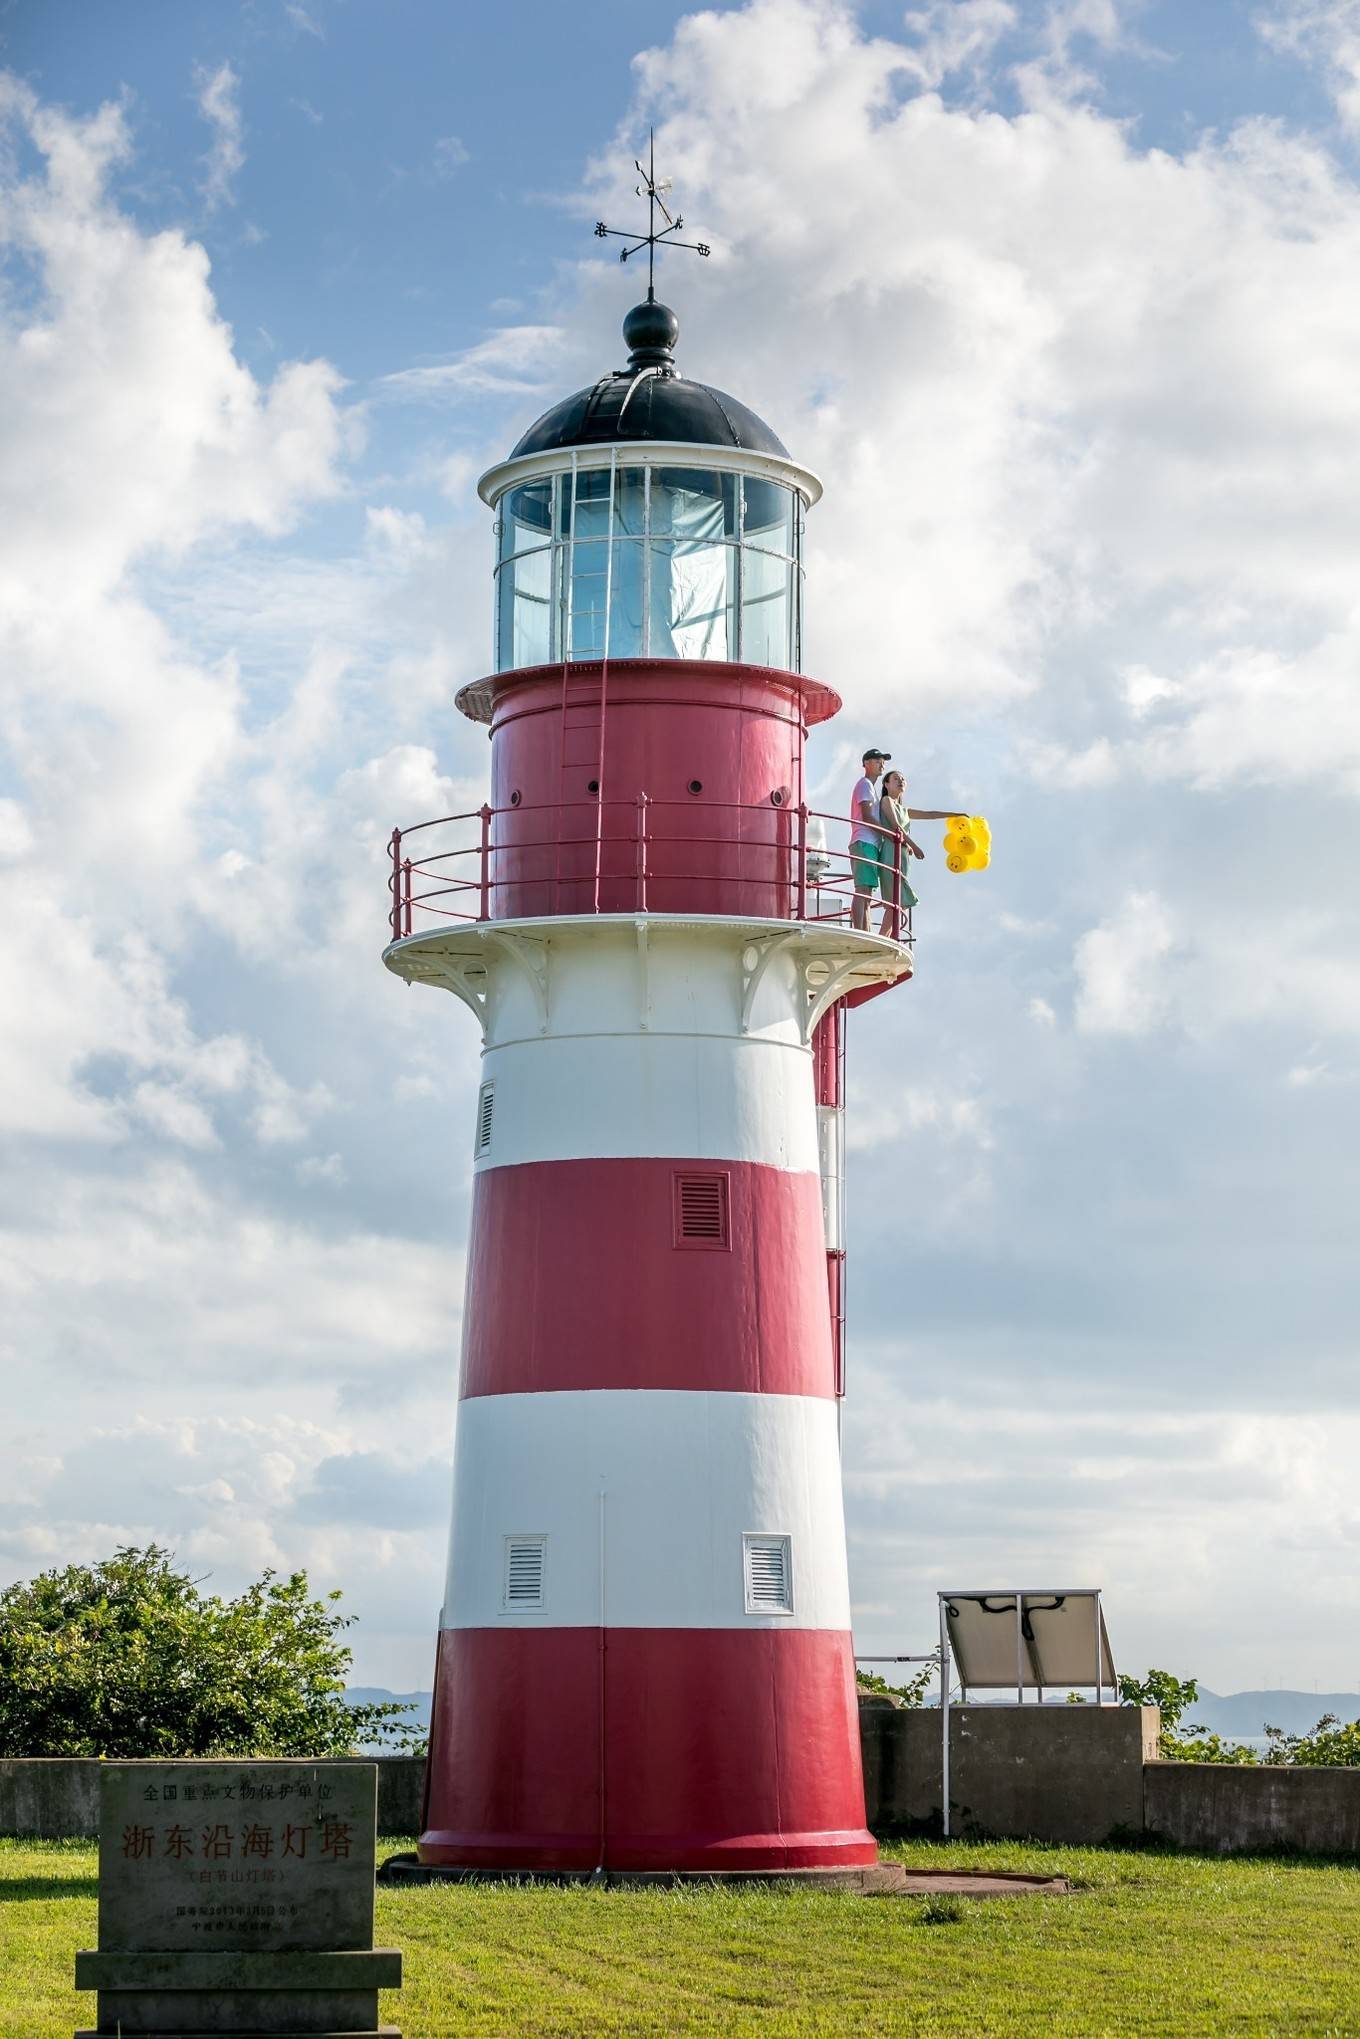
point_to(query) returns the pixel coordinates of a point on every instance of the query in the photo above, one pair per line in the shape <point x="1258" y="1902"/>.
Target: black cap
<point x="885" y="755"/>
<point x="651" y="331"/>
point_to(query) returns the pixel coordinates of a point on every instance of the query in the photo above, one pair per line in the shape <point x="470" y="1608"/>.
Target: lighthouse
<point x="644" y="1657"/>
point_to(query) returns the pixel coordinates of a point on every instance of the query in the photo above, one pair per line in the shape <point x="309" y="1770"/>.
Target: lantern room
<point x="649" y="517"/>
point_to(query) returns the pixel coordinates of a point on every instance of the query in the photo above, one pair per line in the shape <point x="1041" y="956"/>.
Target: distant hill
<point x="417" y="1703"/>
<point x="1247" y="1713"/>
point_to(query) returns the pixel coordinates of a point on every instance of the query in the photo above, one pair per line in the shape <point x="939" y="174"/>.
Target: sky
<point x="1058" y="297"/>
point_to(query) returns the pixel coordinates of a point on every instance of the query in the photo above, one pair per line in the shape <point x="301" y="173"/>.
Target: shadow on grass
<point x="18" y="1889"/>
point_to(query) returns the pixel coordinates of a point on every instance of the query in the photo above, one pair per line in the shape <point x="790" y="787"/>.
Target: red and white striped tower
<point x="645" y="1655"/>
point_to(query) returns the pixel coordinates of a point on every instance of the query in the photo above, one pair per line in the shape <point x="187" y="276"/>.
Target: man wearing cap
<point x="865" y="835"/>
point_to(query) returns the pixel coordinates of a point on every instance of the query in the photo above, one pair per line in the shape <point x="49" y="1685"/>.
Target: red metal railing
<point x="772" y="861"/>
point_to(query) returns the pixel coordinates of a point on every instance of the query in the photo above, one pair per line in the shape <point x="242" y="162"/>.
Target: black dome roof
<point x="649" y="400"/>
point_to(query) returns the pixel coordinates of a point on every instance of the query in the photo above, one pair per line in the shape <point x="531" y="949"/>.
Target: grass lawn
<point x="1151" y="1943"/>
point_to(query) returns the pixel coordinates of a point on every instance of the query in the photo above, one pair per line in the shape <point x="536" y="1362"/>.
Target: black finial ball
<point x="651" y="331"/>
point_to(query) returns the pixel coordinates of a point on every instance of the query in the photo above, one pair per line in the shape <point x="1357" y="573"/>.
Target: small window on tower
<point x="486" y="1105"/>
<point x="524" y="1588"/>
<point x="702" y="1210"/>
<point x="768" y="1564"/>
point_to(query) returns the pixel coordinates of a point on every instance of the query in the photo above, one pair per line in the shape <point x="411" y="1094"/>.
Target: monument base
<point x="304" y="1993"/>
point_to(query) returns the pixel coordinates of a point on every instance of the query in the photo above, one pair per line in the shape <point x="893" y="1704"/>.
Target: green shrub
<point x="912" y="1693"/>
<point x="127" y="1658"/>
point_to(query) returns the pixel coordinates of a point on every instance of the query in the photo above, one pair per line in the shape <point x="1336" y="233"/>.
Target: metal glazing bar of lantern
<point x="609" y="559"/>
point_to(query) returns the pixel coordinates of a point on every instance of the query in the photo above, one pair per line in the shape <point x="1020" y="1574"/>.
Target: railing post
<point x="898" y="853"/>
<point x="406" y="867"/>
<point x="394" y="885"/>
<point x="801" y="897"/>
<point x="642" y="852"/>
<point x="484" y="912"/>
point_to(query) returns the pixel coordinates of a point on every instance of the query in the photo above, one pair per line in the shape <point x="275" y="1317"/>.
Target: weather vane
<point x="651" y="240"/>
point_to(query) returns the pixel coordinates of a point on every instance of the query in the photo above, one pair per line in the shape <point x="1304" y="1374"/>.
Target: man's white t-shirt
<point x="860" y="831"/>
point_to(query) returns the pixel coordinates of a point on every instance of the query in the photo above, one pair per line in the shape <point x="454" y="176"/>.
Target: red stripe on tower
<point x="646" y="1273"/>
<point x="742" y="1786"/>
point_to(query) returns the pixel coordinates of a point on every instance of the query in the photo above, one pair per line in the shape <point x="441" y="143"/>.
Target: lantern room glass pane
<point x="630" y="502"/>
<point x="525" y="591"/>
<point x="592" y="503"/>
<point x="589" y="577"/>
<point x="526" y="517"/>
<point x="627" y="604"/>
<point x="693" y="600"/>
<point x="768" y="515"/>
<point x="693" y="503"/>
<point x="766" y="608"/>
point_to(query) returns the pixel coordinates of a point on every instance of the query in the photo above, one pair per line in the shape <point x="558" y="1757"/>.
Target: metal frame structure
<point x="779" y="467"/>
<point x="1023" y="1657"/>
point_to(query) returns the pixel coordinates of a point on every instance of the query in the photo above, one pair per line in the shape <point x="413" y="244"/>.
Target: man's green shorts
<point x="864" y="864"/>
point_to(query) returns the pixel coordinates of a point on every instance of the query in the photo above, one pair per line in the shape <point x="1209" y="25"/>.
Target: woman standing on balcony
<point x="896" y="817"/>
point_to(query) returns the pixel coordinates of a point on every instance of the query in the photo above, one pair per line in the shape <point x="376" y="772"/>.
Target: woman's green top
<point x="892" y="814"/>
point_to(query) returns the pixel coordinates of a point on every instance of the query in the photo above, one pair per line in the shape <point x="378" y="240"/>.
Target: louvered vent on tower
<point x="486" y="1105"/>
<point x="702" y="1216"/>
<point x="769" y="1574"/>
<point x="526" y="1566"/>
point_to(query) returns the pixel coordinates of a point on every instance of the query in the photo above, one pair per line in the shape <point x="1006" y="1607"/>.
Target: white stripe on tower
<point x="685" y="1477"/>
<point x="734" y="1098"/>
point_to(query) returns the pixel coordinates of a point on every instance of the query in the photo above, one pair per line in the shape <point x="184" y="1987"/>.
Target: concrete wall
<point x="401" y="1787"/>
<point x="1054" y="1773"/>
<point x="1074" y="1774"/>
<point x="1222" y="1809"/>
<point x="57" y="1798"/>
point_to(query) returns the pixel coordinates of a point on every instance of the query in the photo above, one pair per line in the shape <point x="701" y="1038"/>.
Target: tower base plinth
<point x="877" y="1879"/>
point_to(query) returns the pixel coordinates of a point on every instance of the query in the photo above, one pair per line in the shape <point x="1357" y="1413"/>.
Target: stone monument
<point x="237" y="1898"/>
